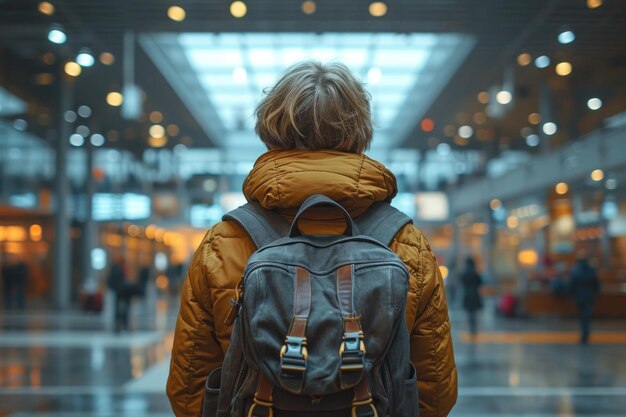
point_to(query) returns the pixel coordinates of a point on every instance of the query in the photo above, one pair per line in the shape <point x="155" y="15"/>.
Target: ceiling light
<point x="157" y="131"/>
<point x="378" y="9"/>
<point x="561" y="188"/>
<point x="566" y="37"/>
<point x="97" y="139"/>
<point x="504" y="97"/>
<point x="46" y="8"/>
<point x="563" y="68"/>
<point x="57" y="34"/>
<point x="84" y="111"/>
<point x="483" y="97"/>
<point x="594" y="103"/>
<point x="238" y="9"/>
<point x="597" y="175"/>
<point x="156" y="117"/>
<point x="495" y="204"/>
<point x="240" y="75"/>
<point x="512" y="222"/>
<point x="309" y="7"/>
<point x="374" y="75"/>
<point x="427" y="125"/>
<point x="532" y="140"/>
<point x="83" y="130"/>
<point x="114" y="99"/>
<point x="107" y="58"/>
<point x="173" y="130"/>
<point x="77" y="140"/>
<point x="176" y="13"/>
<point x="524" y="59"/>
<point x="72" y="69"/>
<point x="70" y="116"/>
<point x="542" y="61"/>
<point x="549" y="128"/>
<point x="594" y="4"/>
<point x="85" y="58"/>
<point x="157" y="142"/>
<point x="534" y="118"/>
<point x="466" y="131"/>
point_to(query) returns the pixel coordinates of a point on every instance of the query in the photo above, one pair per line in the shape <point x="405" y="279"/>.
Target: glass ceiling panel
<point x="235" y="68"/>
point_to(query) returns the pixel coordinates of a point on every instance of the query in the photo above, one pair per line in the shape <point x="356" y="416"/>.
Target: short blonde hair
<point x="315" y="106"/>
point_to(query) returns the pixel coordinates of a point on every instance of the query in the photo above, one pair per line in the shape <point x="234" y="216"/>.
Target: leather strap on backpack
<point x="294" y="354"/>
<point x="362" y="403"/>
<point x="262" y="398"/>
<point x="352" y="349"/>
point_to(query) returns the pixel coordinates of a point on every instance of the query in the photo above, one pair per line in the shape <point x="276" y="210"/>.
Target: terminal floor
<point x="69" y="365"/>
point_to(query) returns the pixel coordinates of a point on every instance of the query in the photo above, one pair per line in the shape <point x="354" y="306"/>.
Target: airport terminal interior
<point x="127" y="130"/>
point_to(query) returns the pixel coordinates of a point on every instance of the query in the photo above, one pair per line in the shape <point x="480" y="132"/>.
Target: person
<point x="316" y="124"/>
<point x="117" y="282"/>
<point x="585" y="286"/>
<point x="472" y="301"/>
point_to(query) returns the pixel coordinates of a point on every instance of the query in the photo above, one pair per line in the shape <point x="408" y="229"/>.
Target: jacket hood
<point x="283" y="180"/>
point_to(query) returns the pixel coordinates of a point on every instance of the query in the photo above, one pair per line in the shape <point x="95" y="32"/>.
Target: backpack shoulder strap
<point x="264" y="226"/>
<point x="382" y="222"/>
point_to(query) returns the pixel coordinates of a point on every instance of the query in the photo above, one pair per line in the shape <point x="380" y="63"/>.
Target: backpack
<point x="320" y="327"/>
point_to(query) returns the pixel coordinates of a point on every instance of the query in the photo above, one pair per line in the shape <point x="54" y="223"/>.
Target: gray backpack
<point x="320" y="326"/>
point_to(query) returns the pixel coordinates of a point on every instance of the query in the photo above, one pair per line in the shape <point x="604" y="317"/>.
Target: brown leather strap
<point x="264" y="389"/>
<point x="344" y="290"/>
<point x="301" y="303"/>
<point x="362" y="391"/>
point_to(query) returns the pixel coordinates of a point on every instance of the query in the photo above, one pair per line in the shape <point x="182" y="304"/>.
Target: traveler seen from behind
<point x="316" y="124"/>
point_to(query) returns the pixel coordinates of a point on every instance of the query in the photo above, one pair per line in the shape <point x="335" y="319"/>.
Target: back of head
<point x="315" y="106"/>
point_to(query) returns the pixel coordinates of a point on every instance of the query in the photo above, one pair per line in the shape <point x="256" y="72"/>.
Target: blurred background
<point x="126" y="130"/>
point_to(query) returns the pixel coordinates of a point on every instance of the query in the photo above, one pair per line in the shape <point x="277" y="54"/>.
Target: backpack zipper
<point x="387" y="384"/>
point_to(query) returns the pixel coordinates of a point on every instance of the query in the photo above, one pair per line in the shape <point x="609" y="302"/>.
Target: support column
<point x="89" y="230"/>
<point x="62" y="272"/>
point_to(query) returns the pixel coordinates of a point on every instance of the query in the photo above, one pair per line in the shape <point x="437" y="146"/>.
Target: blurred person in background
<point x="472" y="301"/>
<point x="14" y="275"/>
<point x="316" y="124"/>
<point x="118" y="283"/>
<point x="585" y="286"/>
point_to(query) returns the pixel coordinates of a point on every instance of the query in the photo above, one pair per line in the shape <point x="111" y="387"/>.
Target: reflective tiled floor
<point x="69" y="365"/>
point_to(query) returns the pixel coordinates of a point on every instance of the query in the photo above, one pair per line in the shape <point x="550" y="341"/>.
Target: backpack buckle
<point x="352" y="352"/>
<point x="294" y="354"/>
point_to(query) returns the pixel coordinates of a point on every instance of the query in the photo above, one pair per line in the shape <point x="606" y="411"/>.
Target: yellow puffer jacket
<point x="281" y="181"/>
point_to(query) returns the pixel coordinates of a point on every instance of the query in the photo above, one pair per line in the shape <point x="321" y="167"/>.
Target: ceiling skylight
<point x="403" y="72"/>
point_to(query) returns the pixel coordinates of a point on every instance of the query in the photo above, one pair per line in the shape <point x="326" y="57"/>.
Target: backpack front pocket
<point x="212" y="393"/>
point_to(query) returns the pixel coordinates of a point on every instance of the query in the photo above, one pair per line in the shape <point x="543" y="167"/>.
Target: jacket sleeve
<point x="429" y="324"/>
<point x="196" y="351"/>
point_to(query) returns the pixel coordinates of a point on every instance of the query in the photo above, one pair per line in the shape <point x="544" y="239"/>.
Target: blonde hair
<point x="315" y="106"/>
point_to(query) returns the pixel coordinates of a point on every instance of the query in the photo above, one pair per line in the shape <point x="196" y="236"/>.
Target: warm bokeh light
<point x="107" y="58"/>
<point x="35" y="232"/>
<point x="480" y="118"/>
<point x="528" y="258"/>
<point x="156" y="117"/>
<point x="157" y="131"/>
<point x="495" y="204"/>
<point x="162" y="282"/>
<point x="563" y="68"/>
<point x="157" y="142"/>
<point x="72" y="69"/>
<point x="524" y="59"/>
<point x="561" y="188"/>
<point x="512" y="222"/>
<point x="12" y="234"/>
<point x="44" y="78"/>
<point x="483" y="97"/>
<point x="378" y="8"/>
<point x="46" y="8"/>
<point x="115" y="99"/>
<point x="309" y="7"/>
<point x="176" y="13"/>
<point x="534" y="118"/>
<point x="504" y="97"/>
<point x="238" y="9"/>
<point x="597" y="175"/>
<point x="172" y="130"/>
<point x="427" y="125"/>
<point x="594" y="4"/>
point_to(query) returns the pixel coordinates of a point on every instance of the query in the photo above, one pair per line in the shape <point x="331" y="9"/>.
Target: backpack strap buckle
<point x="352" y="352"/>
<point x="293" y="355"/>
